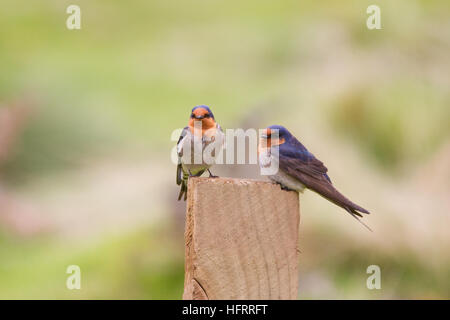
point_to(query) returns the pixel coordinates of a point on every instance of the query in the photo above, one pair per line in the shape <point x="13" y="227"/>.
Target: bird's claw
<point x="285" y="188"/>
<point x="211" y="175"/>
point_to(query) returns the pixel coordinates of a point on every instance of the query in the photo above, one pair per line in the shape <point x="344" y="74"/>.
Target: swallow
<point x="299" y="169"/>
<point x="198" y="146"/>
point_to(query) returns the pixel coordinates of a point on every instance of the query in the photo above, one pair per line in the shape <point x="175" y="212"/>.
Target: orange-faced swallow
<point x="198" y="146"/>
<point x="299" y="169"/>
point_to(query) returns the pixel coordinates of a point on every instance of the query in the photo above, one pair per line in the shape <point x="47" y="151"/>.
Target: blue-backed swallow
<point x="198" y="146"/>
<point x="299" y="169"/>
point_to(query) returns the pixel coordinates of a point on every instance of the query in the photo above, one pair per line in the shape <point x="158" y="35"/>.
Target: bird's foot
<point x="211" y="175"/>
<point x="285" y="188"/>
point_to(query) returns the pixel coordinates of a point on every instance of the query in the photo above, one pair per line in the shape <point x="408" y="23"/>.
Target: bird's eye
<point x="192" y="115"/>
<point x="207" y="115"/>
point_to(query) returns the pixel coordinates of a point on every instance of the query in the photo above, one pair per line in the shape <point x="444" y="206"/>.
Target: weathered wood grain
<point x="241" y="240"/>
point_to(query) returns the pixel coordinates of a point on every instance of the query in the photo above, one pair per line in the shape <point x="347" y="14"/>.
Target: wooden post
<point x="241" y="240"/>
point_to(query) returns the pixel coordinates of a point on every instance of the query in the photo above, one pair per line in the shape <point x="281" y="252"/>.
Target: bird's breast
<point x="265" y="158"/>
<point x="200" y="151"/>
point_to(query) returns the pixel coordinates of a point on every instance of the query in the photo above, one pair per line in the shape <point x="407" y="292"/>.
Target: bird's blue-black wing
<point x="179" y="166"/>
<point x="298" y="162"/>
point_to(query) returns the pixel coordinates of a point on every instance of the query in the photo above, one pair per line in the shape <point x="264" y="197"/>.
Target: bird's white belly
<point x="270" y="159"/>
<point x="194" y="158"/>
<point x="287" y="181"/>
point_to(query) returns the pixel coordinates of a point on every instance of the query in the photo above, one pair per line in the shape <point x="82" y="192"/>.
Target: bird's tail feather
<point x="357" y="218"/>
<point x="339" y="199"/>
<point x="179" y="174"/>
<point x="330" y="193"/>
<point x="182" y="180"/>
<point x="183" y="190"/>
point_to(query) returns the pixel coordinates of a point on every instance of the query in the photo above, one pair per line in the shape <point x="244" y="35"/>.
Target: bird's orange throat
<point x="269" y="142"/>
<point x="205" y="125"/>
<point x="265" y="144"/>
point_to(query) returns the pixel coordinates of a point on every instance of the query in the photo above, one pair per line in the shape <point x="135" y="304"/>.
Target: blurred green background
<point x="86" y="118"/>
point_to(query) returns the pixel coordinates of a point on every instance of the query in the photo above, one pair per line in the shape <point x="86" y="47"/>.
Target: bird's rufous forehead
<point x="200" y="111"/>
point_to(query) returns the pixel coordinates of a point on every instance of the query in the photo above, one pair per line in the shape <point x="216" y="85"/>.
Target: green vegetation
<point x="142" y="265"/>
<point x="397" y="123"/>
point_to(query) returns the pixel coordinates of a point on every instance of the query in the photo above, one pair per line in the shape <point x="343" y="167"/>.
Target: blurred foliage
<point x="56" y="139"/>
<point x="145" y="264"/>
<point x="404" y="274"/>
<point x="397" y="122"/>
<point x="130" y="69"/>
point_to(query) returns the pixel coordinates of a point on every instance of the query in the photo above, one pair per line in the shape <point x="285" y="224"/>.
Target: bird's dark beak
<point x="199" y="117"/>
